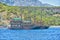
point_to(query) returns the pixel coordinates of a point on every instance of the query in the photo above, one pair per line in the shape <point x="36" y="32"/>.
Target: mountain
<point x="24" y="3"/>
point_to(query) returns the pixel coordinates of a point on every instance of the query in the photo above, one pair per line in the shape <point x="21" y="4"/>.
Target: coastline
<point x="54" y="27"/>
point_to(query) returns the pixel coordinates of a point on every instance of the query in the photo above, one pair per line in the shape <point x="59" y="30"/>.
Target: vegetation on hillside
<point x="35" y="14"/>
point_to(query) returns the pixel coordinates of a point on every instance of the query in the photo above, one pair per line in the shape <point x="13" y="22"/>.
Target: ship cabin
<point x="16" y="23"/>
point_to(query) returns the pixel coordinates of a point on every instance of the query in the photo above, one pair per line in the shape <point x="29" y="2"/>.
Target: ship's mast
<point x="21" y="19"/>
<point x="41" y="22"/>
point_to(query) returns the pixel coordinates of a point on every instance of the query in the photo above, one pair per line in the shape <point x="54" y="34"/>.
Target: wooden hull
<point x="31" y="27"/>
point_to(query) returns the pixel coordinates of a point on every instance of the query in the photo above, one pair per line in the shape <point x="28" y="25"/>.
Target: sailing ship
<point x="17" y="23"/>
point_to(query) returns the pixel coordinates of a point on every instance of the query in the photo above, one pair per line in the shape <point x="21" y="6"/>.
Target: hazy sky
<point x="52" y="2"/>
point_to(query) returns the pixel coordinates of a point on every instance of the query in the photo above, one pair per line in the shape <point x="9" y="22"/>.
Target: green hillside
<point x="37" y="14"/>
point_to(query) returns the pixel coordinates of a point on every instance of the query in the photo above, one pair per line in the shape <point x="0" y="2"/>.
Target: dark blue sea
<point x="40" y="34"/>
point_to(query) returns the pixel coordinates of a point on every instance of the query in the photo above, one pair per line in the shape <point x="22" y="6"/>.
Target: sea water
<point x="40" y="34"/>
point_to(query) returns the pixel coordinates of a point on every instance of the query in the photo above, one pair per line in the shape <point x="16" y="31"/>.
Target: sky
<point x="52" y="2"/>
